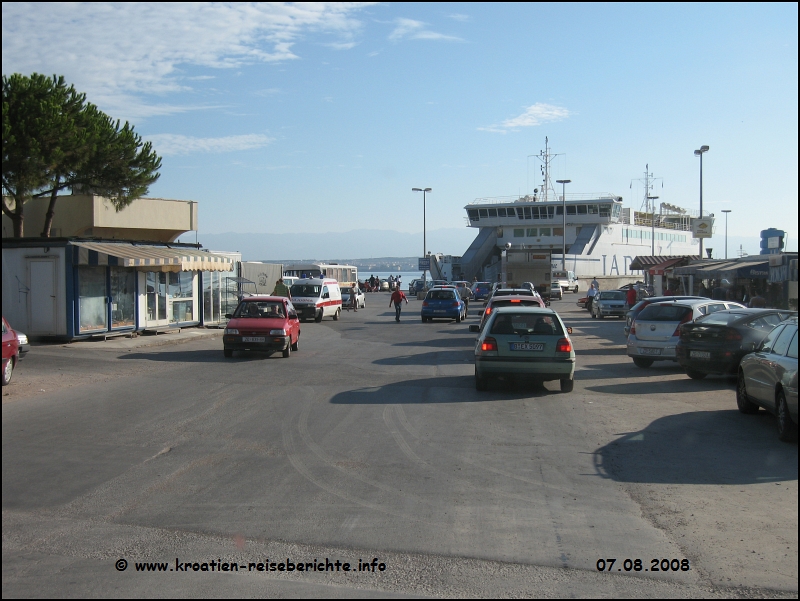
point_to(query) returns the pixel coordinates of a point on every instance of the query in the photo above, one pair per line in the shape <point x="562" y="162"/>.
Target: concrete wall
<point x="155" y="219"/>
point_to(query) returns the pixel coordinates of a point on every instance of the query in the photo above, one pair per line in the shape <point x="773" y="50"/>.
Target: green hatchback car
<point x="524" y="341"/>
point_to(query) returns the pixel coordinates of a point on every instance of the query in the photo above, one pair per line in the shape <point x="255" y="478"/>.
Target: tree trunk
<point x="15" y="215"/>
<point x="51" y="210"/>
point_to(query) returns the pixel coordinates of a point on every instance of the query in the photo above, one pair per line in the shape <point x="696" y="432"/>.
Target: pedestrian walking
<point x="281" y="289"/>
<point x="354" y="298"/>
<point x="592" y="294"/>
<point x="630" y="297"/>
<point x="596" y="284"/>
<point x="397" y="298"/>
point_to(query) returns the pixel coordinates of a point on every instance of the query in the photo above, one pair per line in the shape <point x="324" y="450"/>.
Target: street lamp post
<point x="699" y="153"/>
<point x="563" y="183"/>
<point x="424" y="234"/>
<point x="726" y="211"/>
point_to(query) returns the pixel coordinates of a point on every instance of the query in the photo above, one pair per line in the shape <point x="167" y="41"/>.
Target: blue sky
<point x="315" y="118"/>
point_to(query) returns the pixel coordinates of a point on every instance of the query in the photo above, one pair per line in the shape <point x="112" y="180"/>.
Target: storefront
<point x="75" y="288"/>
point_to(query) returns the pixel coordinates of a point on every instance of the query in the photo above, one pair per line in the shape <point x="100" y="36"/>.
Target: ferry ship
<point x="601" y="238"/>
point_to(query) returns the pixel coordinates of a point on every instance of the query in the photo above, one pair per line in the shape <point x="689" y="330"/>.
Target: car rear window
<point x="515" y="292"/>
<point x="720" y="318"/>
<point x="664" y="313"/>
<point x="441" y="295"/>
<point x="516" y="302"/>
<point x="526" y="324"/>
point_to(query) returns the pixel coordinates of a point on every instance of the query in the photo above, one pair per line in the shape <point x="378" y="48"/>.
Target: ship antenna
<point x="546" y="158"/>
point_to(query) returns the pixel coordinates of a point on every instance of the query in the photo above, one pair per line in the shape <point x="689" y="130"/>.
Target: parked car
<point x="24" y="345"/>
<point x="480" y="290"/>
<point x="556" y="292"/>
<point x="263" y="323"/>
<point x="716" y="343"/>
<point x="630" y="316"/>
<point x="509" y="301"/>
<point x="444" y="303"/>
<point x="582" y="302"/>
<point x="609" y="303"/>
<point x="656" y="331"/>
<point x="524" y="341"/>
<point x="347" y="301"/>
<point x="10" y="351"/>
<point x="768" y="378"/>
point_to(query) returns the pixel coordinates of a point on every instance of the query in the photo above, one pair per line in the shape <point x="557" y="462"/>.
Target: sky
<point x="315" y="118"/>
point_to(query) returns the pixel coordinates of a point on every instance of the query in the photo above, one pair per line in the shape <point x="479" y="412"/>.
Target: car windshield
<point x="259" y="309"/>
<point x="664" y="313"/>
<point x="612" y="295"/>
<point x="305" y="290"/>
<point x="526" y="324"/>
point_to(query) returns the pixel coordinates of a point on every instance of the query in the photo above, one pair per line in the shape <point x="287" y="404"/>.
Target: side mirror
<point x="228" y="316"/>
<point x="474" y="328"/>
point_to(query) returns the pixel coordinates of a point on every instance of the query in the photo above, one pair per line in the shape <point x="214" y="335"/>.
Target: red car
<point x="262" y="323"/>
<point x="10" y="351"/>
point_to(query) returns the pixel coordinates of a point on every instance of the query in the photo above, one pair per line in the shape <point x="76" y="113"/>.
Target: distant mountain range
<point x="362" y="244"/>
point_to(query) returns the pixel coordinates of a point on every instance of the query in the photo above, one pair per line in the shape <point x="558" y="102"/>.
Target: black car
<point x="716" y="343"/>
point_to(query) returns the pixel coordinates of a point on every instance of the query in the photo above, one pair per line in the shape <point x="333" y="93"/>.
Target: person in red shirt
<point x="397" y="298"/>
<point x="630" y="298"/>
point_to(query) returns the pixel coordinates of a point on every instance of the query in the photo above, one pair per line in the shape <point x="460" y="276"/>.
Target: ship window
<point x="535" y="212"/>
<point x="592" y="209"/>
<point x="527" y="212"/>
<point x="571" y="210"/>
<point x="550" y="212"/>
<point x="544" y="231"/>
<point x="559" y="210"/>
<point x="519" y="213"/>
<point x="558" y="231"/>
<point x="484" y="213"/>
<point x="473" y="214"/>
<point x="501" y="212"/>
<point x="520" y="233"/>
<point x="581" y="210"/>
<point x="605" y="210"/>
<point x="617" y="209"/>
<point x="531" y="232"/>
<point x="492" y="212"/>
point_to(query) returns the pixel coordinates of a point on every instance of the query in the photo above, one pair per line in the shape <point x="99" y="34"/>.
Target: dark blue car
<point x="480" y="290"/>
<point x="444" y="303"/>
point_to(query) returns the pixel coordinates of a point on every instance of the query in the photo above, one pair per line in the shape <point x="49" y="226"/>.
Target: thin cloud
<point x="534" y="115"/>
<point x="459" y="17"/>
<point x="176" y="144"/>
<point x="91" y="45"/>
<point x="417" y="30"/>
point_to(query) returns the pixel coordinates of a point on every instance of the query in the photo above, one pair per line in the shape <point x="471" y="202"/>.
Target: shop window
<point x="123" y="297"/>
<point x="93" y="298"/>
<point x="181" y="289"/>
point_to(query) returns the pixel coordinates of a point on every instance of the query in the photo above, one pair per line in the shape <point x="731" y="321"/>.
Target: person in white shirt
<point x="592" y="294"/>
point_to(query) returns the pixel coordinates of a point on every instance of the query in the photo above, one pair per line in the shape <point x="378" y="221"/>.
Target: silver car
<point x="656" y="331"/>
<point x="768" y="378"/>
<point x="609" y="303"/>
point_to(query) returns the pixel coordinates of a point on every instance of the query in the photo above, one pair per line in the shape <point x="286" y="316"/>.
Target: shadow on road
<point x="441" y="389"/>
<point x="430" y="358"/>
<point x="203" y="356"/>
<point x="703" y="447"/>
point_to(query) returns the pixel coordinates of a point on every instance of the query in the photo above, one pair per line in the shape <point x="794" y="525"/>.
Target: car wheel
<point x="228" y="353"/>
<point x="567" y="384"/>
<point x="744" y="404"/>
<point x="296" y="344"/>
<point x="640" y="362"/>
<point x="336" y="315"/>
<point x="458" y="318"/>
<point x="787" y="429"/>
<point x="480" y="382"/>
<point x="287" y="351"/>
<point x="8" y="369"/>
<point x="318" y="317"/>
<point x="695" y="375"/>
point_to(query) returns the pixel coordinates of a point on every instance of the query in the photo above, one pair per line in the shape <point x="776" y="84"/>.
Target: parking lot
<point x="371" y="441"/>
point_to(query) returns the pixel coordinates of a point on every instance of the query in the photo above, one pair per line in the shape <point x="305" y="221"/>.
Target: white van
<point x="316" y="298"/>
<point x="566" y="279"/>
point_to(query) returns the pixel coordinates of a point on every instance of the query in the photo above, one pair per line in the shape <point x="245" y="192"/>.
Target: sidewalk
<point x="124" y="343"/>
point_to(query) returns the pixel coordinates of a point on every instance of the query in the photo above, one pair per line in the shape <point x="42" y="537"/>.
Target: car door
<point x="758" y="378"/>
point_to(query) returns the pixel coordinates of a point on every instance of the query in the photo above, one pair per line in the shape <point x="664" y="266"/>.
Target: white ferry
<point x="601" y="237"/>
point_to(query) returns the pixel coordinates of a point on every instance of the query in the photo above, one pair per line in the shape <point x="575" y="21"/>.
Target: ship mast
<point x="546" y="158"/>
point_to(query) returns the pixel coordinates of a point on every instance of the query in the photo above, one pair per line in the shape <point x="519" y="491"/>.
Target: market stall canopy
<point x="644" y="262"/>
<point x="146" y="257"/>
<point x="754" y="269"/>
<point x="661" y="268"/>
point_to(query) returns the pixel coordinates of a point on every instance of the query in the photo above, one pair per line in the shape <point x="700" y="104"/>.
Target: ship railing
<point x="493" y="200"/>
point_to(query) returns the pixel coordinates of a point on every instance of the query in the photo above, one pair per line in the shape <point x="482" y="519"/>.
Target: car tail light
<point x="564" y="346"/>
<point x="732" y="334"/>
<point x="516" y="300"/>
<point x="424" y="303"/>
<point x="633" y="328"/>
<point x="455" y="303"/>
<point x="489" y="344"/>
<point x="686" y="318"/>
<point x="488" y="311"/>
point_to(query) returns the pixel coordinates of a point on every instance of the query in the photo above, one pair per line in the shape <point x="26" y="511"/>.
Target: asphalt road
<point x="371" y="443"/>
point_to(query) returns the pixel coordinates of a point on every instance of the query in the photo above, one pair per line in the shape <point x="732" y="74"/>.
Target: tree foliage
<point x="54" y="140"/>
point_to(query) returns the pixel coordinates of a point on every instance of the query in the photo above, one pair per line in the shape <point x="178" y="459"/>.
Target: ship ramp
<point x="478" y="253"/>
<point x="584" y="238"/>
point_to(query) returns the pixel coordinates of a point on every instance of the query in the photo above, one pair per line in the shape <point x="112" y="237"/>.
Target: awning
<point x="643" y="262"/>
<point x="662" y="267"/>
<point x="145" y="257"/>
<point x="756" y="269"/>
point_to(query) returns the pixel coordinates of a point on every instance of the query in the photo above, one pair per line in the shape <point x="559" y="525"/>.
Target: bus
<point x="344" y="274"/>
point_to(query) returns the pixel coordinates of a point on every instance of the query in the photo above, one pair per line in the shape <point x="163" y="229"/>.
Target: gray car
<point x="609" y="303"/>
<point x="768" y="378"/>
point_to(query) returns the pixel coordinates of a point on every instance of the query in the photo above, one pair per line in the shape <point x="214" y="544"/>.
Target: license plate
<point x="439" y="311"/>
<point x="253" y="339"/>
<point x="527" y="346"/>
<point x="649" y="351"/>
<point x="700" y="354"/>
